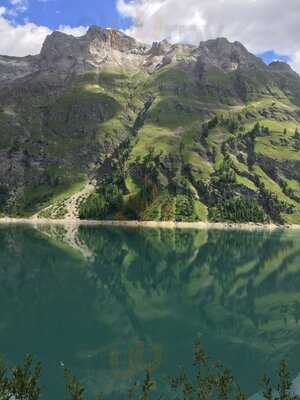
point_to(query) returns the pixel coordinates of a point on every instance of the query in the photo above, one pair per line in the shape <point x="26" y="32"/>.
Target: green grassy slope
<point x="207" y="147"/>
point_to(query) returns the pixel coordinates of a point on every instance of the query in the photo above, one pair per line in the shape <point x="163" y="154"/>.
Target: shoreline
<point x="148" y="224"/>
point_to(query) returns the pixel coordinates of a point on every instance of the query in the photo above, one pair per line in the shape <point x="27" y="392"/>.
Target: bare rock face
<point x="101" y="49"/>
<point x="13" y="68"/>
<point x="228" y="56"/>
<point x="110" y="49"/>
<point x="98" y="49"/>
<point x="111" y="38"/>
<point x="279" y="66"/>
<point x="61" y="51"/>
<point x="160" y="48"/>
<point x="164" y="53"/>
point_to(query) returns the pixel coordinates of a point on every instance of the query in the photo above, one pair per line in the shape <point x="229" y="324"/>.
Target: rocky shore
<point x="149" y="224"/>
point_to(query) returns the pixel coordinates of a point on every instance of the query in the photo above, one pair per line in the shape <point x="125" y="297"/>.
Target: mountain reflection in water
<point x="109" y="302"/>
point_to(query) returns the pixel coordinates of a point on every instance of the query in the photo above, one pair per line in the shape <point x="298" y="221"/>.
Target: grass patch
<point x="199" y="166"/>
<point x="293" y="184"/>
<point x="241" y="180"/>
<point x="38" y="198"/>
<point x="162" y="140"/>
<point x="273" y="187"/>
<point x="271" y="149"/>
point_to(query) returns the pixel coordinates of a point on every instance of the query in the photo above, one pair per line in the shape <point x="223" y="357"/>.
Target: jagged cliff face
<point x="86" y="107"/>
<point x="65" y="54"/>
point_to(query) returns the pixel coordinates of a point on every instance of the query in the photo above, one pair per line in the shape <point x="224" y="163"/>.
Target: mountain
<point x="105" y="127"/>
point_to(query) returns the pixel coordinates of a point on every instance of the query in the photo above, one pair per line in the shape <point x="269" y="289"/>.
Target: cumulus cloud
<point x="27" y="38"/>
<point x="261" y="25"/>
<point x="20" y="40"/>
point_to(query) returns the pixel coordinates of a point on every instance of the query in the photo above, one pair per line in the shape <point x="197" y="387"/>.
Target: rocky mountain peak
<point x="112" y="49"/>
<point x="280" y="66"/>
<point x="160" y="48"/>
<point x="226" y="55"/>
<point x="57" y="43"/>
<point x="220" y="43"/>
<point x="98" y="48"/>
<point x="60" y="44"/>
<point x="113" y="39"/>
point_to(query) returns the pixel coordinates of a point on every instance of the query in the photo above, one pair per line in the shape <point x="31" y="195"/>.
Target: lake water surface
<point x="109" y="302"/>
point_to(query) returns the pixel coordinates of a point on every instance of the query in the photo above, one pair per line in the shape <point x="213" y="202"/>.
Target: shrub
<point x="184" y="210"/>
<point x="101" y="205"/>
<point x="94" y="207"/>
<point x="209" y="380"/>
<point x="237" y="210"/>
<point x="21" y="382"/>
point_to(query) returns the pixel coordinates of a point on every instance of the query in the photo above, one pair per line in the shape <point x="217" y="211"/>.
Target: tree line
<point x="209" y="380"/>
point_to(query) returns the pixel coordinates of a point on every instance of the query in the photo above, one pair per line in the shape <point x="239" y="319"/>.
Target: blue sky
<point x="270" y="56"/>
<point x="254" y="23"/>
<point x="53" y="13"/>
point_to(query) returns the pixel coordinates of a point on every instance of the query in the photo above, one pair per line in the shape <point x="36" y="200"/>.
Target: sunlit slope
<point x="196" y="142"/>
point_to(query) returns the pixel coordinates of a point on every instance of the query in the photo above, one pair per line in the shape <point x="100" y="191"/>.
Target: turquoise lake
<point x="108" y="302"/>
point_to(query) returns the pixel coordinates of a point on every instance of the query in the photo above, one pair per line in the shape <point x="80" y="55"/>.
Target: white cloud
<point x="76" y="31"/>
<point x="295" y="61"/>
<point x="261" y="25"/>
<point x="21" y="40"/>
